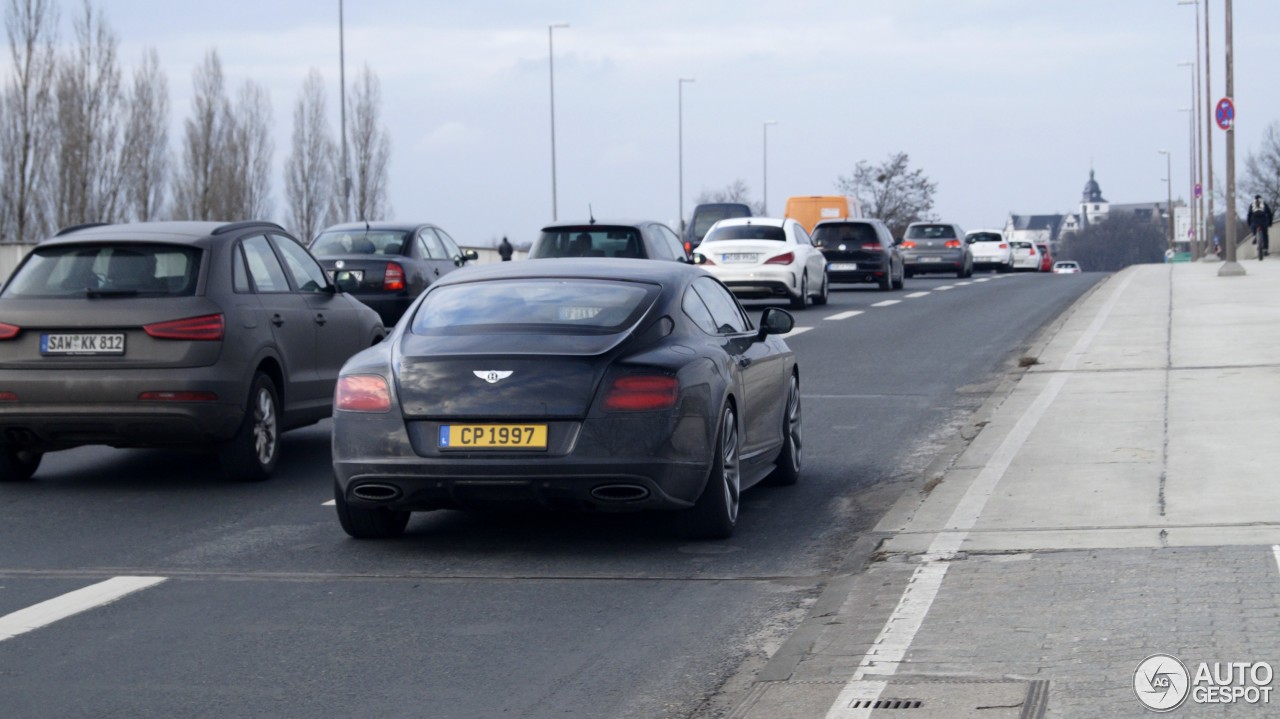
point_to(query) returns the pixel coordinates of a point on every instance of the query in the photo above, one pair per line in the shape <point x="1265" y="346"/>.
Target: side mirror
<point x="465" y="257"/>
<point x="775" y="321"/>
<point x="698" y="258"/>
<point x="345" y="280"/>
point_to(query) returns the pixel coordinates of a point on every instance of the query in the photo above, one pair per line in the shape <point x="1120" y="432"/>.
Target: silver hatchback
<point x="936" y="247"/>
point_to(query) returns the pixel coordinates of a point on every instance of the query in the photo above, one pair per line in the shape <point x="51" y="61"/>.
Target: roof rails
<point x="77" y="228"/>
<point x="233" y="226"/>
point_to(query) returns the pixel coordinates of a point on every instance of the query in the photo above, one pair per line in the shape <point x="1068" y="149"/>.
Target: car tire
<point x="368" y="522"/>
<point x="715" y="514"/>
<point x="898" y="284"/>
<point x="251" y="455"/>
<point x="825" y="293"/>
<point x="786" y="470"/>
<point x="16" y="464"/>
<point x="802" y="301"/>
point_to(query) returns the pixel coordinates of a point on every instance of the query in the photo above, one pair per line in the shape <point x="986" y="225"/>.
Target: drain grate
<point x="887" y="704"/>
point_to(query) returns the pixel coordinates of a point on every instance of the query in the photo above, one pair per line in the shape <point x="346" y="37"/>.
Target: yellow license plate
<point x="493" y="436"/>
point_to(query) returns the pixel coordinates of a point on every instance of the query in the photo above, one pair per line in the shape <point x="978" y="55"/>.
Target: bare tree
<point x="196" y="192"/>
<point x="88" y="177"/>
<point x="370" y="148"/>
<point x="1262" y="169"/>
<point x="309" y="170"/>
<point x="25" y="138"/>
<point x="891" y="191"/>
<point x="246" y="176"/>
<point x="1122" y="240"/>
<point x="736" y="191"/>
<point x="146" y="140"/>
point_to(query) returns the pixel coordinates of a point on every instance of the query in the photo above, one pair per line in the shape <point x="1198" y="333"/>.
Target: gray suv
<point x="197" y="335"/>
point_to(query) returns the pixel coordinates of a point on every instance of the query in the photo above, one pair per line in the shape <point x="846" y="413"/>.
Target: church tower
<point x="1093" y="206"/>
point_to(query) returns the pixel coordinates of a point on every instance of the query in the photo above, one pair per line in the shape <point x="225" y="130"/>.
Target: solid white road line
<point x="916" y="294"/>
<point x="886" y="303"/>
<point x="900" y="630"/>
<point x="72" y="603"/>
<point x="844" y="315"/>
<point x="797" y="331"/>
<point x="1275" y="549"/>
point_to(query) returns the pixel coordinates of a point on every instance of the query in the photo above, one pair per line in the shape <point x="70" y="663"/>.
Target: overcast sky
<point x="1006" y="104"/>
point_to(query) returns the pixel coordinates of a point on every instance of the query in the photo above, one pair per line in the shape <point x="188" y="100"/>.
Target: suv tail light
<point x="908" y="245"/>
<point x="8" y="331"/>
<point x="783" y="259"/>
<point x="393" y="280"/>
<point x="203" y="328"/>
<point x="362" y="393"/>
<point x="951" y="244"/>
<point x="642" y="393"/>
<point x="1004" y="245"/>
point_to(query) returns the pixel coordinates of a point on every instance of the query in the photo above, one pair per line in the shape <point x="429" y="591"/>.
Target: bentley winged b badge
<point x="492" y="376"/>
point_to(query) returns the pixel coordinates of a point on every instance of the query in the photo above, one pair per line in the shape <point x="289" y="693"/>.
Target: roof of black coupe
<point x="580" y="268"/>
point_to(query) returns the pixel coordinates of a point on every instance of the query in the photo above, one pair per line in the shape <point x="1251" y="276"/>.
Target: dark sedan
<point x="171" y="334"/>
<point x="860" y="251"/>
<point x="388" y="264"/>
<point x="607" y="385"/>
<point x="636" y="239"/>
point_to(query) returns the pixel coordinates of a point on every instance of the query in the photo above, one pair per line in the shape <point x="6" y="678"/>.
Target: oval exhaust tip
<point x="376" y="492"/>
<point x="620" y="492"/>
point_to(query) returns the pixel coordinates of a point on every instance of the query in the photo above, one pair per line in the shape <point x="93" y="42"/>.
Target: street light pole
<point x="1203" y="239"/>
<point x="1192" y="199"/>
<point x="342" y="102"/>
<point x="1230" y="268"/>
<point x="1207" y="107"/>
<point x="1168" y="181"/>
<point x="764" y="201"/>
<point x="680" y="143"/>
<point x="551" y="67"/>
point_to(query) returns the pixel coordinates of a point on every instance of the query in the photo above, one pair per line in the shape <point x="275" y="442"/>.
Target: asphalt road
<point x="268" y="609"/>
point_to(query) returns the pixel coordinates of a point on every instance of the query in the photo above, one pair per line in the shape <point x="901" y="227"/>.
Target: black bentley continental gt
<point x="592" y="384"/>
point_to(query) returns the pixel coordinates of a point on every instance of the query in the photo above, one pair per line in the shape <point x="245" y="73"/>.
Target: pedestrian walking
<point x="504" y="250"/>
<point x="1259" y="220"/>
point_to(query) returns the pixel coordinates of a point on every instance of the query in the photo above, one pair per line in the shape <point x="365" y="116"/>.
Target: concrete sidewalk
<point x="1119" y="500"/>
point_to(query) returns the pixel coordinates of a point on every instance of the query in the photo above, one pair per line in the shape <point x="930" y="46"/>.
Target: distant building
<point x="1092" y="208"/>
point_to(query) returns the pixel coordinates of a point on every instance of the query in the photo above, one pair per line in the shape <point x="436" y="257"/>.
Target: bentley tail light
<point x="642" y="393"/>
<point x="8" y="331"/>
<point x="362" y="393"/>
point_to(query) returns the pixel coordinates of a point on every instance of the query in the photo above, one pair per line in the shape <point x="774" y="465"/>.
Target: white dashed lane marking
<point x="917" y="294"/>
<point x="72" y="603"/>
<point x="984" y="279"/>
<point x="886" y="303"/>
<point x="962" y="284"/>
<point x="844" y="315"/>
<point x="797" y="331"/>
<point x="944" y="287"/>
<point x="330" y="503"/>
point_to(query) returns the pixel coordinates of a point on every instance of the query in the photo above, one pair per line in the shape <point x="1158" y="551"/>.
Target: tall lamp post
<point x="1168" y="181"/>
<point x="1230" y="268"/>
<point x="1191" y="202"/>
<point x="1205" y="238"/>
<point x="551" y="66"/>
<point x="764" y="201"/>
<point x="342" y="102"/>
<point x="1197" y="204"/>
<point x="680" y="143"/>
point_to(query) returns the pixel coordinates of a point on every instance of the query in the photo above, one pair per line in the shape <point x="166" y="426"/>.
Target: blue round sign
<point x="1225" y="113"/>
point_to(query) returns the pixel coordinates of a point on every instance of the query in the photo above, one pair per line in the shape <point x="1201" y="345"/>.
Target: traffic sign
<point x="1199" y="190"/>
<point x="1225" y="113"/>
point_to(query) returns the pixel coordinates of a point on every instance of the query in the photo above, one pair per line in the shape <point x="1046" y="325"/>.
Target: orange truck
<point x="808" y="210"/>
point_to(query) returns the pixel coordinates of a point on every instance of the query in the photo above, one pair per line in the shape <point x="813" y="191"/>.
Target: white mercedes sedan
<point x="765" y="257"/>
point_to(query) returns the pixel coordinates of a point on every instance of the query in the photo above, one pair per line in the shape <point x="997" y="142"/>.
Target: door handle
<point x="277" y="320"/>
<point x="320" y="320"/>
<point x="437" y="271"/>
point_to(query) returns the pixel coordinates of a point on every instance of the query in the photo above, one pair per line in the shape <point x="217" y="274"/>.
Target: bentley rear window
<point x="108" y="270"/>
<point x="533" y="306"/>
